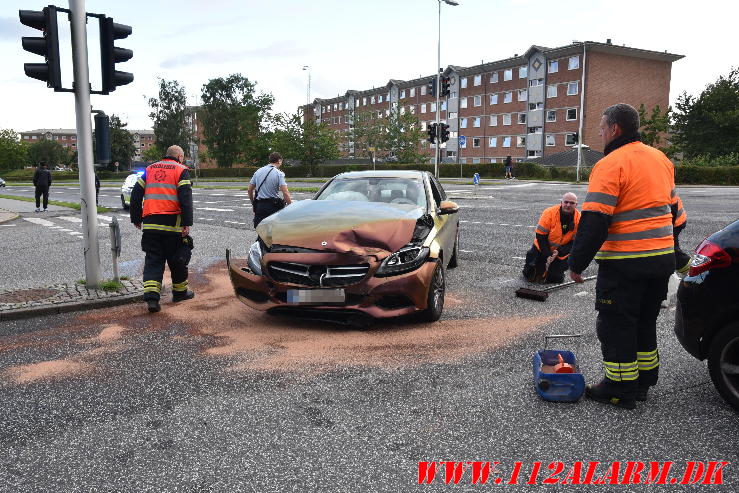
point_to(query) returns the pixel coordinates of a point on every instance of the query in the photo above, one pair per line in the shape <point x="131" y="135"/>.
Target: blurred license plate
<point x="313" y="296"/>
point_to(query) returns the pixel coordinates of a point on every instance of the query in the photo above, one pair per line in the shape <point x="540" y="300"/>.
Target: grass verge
<point x="71" y="205"/>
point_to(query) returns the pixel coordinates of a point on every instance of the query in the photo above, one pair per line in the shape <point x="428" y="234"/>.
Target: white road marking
<point x="213" y="202"/>
<point x="7" y="225"/>
<point x="105" y="218"/>
<point x="233" y="222"/>
<point x="519" y="258"/>
<point x="65" y="230"/>
<point x="466" y="251"/>
<point x="517" y="225"/>
<point x="217" y="194"/>
<point x="71" y="219"/>
<point x="504" y="224"/>
<point x="214" y="209"/>
<point x="36" y="220"/>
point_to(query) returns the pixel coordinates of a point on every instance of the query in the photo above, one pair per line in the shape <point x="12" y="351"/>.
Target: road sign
<point x="462" y="141"/>
<point x="476" y="179"/>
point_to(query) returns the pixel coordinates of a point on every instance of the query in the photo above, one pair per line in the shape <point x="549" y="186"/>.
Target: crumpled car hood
<point x="363" y="228"/>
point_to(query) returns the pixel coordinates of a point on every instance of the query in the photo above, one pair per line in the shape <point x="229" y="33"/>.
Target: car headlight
<point x="408" y="258"/>
<point x="255" y="258"/>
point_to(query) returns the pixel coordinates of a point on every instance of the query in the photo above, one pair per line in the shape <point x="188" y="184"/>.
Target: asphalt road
<point x="212" y="396"/>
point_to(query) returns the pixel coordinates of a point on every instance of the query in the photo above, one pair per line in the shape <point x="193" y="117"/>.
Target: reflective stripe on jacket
<point x="635" y="186"/>
<point x="160" y="182"/>
<point x="550" y="224"/>
<point x="680" y="217"/>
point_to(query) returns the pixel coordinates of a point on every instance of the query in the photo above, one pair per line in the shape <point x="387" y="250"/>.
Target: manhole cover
<point x="27" y="295"/>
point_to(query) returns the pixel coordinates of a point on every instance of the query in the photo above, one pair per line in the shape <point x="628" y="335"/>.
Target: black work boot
<point x="602" y="393"/>
<point x="182" y="295"/>
<point x="641" y="393"/>
<point x="153" y="306"/>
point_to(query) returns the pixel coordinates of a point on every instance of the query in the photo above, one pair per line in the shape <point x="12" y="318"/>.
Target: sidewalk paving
<point x="57" y="298"/>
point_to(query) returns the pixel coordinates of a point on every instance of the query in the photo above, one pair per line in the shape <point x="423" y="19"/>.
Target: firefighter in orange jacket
<point x="554" y="235"/>
<point x="166" y="193"/>
<point x="626" y="226"/>
<point x="679" y="220"/>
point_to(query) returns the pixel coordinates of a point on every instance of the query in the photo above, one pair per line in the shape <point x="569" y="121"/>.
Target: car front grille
<point x="317" y="275"/>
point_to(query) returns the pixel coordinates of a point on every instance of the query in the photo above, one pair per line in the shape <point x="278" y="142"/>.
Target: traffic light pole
<point x="438" y="90"/>
<point x="82" y="108"/>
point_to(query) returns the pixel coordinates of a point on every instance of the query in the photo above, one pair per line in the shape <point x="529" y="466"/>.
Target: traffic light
<point x="432" y="87"/>
<point x="102" y="138"/>
<point x="47" y="46"/>
<point x="576" y="138"/>
<point x="445" y="86"/>
<point x="444" y="133"/>
<point x="432" y="133"/>
<point x="111" y="54"/>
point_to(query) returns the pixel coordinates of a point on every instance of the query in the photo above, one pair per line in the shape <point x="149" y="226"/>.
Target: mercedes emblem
<point x="324" y="243"/>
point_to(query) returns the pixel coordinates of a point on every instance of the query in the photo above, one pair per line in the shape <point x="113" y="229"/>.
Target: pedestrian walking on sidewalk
<point x="165" y="219"/>
<point x="508" y="168"/>
<point x="42" y="182"/>
<point x="265" y="187"/>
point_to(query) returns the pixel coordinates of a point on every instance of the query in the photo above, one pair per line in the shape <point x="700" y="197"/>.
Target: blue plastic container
<point x="557" y="387"/>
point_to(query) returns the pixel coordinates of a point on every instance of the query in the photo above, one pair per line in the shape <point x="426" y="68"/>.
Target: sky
<point x="348" y="44"/>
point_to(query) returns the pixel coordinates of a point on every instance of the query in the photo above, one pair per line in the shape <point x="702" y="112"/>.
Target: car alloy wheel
<point x="435" y="300"/>
<point x="723" y="363"/>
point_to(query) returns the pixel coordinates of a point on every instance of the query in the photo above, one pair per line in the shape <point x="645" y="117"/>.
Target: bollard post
<point x="115" y="245"/>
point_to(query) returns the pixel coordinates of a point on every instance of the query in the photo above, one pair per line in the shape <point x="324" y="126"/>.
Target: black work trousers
<point x="161" y="248"/>
<point x="536" y="264"/>
<point x="264" y="208"/>
<point x="628" y="308"/>
<point x="42" y="191"/>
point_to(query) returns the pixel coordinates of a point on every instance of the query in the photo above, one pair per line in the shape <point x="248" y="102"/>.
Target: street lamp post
<point x="307" y="68"/>
<point x="438" y="89"/>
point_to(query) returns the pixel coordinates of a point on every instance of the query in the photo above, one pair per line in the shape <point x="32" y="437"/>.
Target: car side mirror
<point x="447" y="207"/>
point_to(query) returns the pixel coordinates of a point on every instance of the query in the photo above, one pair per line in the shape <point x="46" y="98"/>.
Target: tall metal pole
<point x="82" y="109"/>
<point x="438" y="86"/>
<point x="307" y="97"/>
<point x="582" y="115"/>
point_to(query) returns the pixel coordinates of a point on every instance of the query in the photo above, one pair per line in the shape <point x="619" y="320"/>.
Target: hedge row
<point x="24" y="175"/>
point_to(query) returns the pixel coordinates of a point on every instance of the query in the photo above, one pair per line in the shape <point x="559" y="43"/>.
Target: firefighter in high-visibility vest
<point x="626" y="225"/>
<point x="546" y="260"/>
<point x="165" y="191"/>
<point x="679" y="220"/>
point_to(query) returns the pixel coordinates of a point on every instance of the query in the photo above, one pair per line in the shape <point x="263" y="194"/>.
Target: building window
<point x="336" y="106"/>
<point x="364" y="101"/>
<point x="506" y="142"/>
<point x="379" y="98"/>
<point x="423" y="108"/>
<point x="478" y="80"/>
<point x="493" y="142"/>
<point x="493" y="120"/>
<point x="413" y="91"/>
<point x="402" y="94"/>
<point x="494" y="77"/>
<point x="570" y="139"/>
<point x="372" y="100"/>
<point x="508" y="74"/>
<point x="571" y="114"/>
<point x="462" y="102"/>
<point x="523" y="72"/>
<point x="493" y="99"/>
<point x="522" y="94"/>
<point x="387" y="98"/>
<point x="423" y="90"/>
<point x="443" y="106"/>
<point x="477" y="101"/>
<point x="535" y="130"/>
<point x="520" y="141"/>
<point x="572" y="88"/>
<point x="432" y="107"/>
<point x="551" y="115"/>
<point x="463" y="123"/>
<point x="508" y="97"/>
<point x="536" y="82"/>
<point x="506" y="119"/>
<point x="552" y="91"/>
<point x="553" y="66"/>
<point x="573" y="63"/>
<point x="476" y="122"/>
<point x="522" y="118"/>
<point x="536" y="106"/>
<point x="463" y="82"/>
<point x="476" y="142"/>
<point x="452" y="114"/>
<point x="452" y="94"/>
<point x="550" y="140"/>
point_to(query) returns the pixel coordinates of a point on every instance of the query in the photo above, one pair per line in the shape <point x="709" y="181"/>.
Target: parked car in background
<point x="127" y="187"/>
<point x="370" y="244"/>
<point x="2" y="182"/>
<point x="707" y="313"/>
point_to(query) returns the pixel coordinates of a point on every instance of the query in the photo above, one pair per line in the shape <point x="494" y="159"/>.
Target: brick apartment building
<point x="526" y="106"/>
<point x="142" y="139"/>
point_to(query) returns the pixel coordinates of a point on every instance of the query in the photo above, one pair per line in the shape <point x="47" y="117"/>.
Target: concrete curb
<point x="74" y="306"/>
<point x="6" y="216"/>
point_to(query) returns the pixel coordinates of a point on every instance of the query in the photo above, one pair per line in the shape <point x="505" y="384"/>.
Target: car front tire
<point x="723" y="363"/>
<point x="123" y="203"/>
<point x="435" y="299"/>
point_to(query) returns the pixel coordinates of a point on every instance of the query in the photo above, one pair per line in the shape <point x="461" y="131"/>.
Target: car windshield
<point x="376" y="189"/>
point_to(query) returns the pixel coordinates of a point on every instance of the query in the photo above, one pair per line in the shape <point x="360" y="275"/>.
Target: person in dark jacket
<point x="42" y="182"/>
<point x="508" y="168"/>
<point x="165" y="218"/>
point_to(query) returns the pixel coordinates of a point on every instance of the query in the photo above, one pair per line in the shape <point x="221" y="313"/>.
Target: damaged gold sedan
<point x="370" y="243"/>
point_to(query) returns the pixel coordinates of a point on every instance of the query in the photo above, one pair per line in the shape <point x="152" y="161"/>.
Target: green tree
<point x="708" y="125"/>
<point x="169" y="114"/>
<point x="152" y="154"/>
<point x="13" y="151"/>
<point x="48" y="151"/>
<point x="401" y="137"/>
<point x="654" y="127"/>
<point x="367" y="133"/>
<point x="307" y="141"/>
<point x="122" y="148"/>
<point x="234" y="120"/>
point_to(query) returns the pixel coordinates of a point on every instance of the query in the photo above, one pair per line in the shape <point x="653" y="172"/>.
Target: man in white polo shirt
<point x="264" y="189"/>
